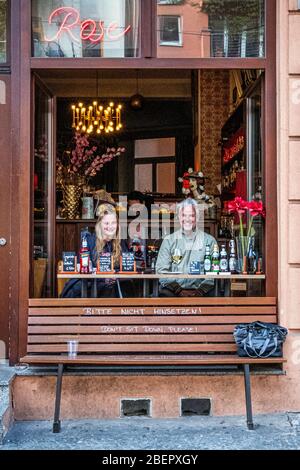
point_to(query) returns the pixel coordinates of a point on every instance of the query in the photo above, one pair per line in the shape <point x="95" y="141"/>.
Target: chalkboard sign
<point x="128" y="262"/>
<point x="69" y="261"/>
<point x="105" y="264"/>
<point x="195" y="267"/>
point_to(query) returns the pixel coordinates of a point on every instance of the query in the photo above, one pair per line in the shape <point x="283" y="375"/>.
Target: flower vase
<point x="242" y="243"/>
<point x="71" y="200"/>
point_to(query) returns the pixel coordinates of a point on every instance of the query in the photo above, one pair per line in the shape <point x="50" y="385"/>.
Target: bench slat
<point x="137" y="302"/>
<point x="132" y="338"/>
<point x="145" y="347"/>
<point x="85" y="320"/>
<point x="89" y="329"/>
<point x="171" y="310"/>
<point x="158" y="359"/>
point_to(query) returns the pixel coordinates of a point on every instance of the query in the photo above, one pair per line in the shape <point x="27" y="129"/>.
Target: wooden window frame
<point x="180" y="31"/>
<point x="23" y="66"/>
<point x="4" y="66"/>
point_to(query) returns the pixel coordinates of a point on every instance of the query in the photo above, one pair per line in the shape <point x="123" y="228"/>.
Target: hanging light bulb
<point x="137" y="100"/>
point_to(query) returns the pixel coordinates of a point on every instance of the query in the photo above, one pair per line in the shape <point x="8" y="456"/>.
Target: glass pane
<point x="3" y="30"/>
<point x="86" y="28"/>
<point x="210" y="28"/>
<point x="255" y="164"/>
<point x="149" y="148"/>
<point x="42" y="225"/>
<point x="143" y="178"/>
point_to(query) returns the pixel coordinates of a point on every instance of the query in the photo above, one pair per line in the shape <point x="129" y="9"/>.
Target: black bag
<point x="259" y="339"/>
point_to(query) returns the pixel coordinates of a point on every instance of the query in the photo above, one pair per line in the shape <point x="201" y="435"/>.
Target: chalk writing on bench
<point x="122" y="329"/>
<point x="89" y="311"/>
<point x="177" y="311"/>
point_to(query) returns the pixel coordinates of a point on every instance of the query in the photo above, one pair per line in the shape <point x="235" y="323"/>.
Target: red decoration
<point x="90" y="30"/>
<point x="234" y="146"/>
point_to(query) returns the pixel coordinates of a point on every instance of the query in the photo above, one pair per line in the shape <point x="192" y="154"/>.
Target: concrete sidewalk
<point x="278" y="431"/>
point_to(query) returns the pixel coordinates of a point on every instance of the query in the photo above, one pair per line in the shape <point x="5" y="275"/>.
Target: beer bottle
<point x="215" y="259"/>
<point x="232" y="258"/>
<point x="85" y="257"/>
<point x="223" y="260"/>
<point x="207" y="260"/>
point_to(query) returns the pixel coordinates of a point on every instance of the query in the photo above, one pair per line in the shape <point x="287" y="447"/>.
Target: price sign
<point x="128" y="262"/>
<point x="195" y="267"/>
<point x="105" y="264"/>
<point x="69" y="261"/>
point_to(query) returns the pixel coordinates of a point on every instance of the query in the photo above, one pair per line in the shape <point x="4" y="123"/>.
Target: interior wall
<point x="214" y="111"/>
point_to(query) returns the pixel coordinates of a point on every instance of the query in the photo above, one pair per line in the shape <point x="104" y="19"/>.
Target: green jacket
<point x="192" y="249"/>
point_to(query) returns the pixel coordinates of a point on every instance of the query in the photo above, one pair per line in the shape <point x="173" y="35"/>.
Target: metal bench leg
<point x="56" y="422"/>
<point x="248" y="397"/>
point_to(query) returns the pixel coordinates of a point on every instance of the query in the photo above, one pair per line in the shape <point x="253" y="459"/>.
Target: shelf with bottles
<point x="226" y="258"/>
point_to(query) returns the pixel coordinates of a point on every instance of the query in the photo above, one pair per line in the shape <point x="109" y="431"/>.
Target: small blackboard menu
<point x="195" y="267"/>
<point x="105" y="264"/>
<point x="69" y="261"/>
<point x="128" y="262"/>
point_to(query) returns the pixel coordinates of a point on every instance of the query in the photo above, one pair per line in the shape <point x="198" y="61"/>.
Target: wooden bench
<point x="143" y="332"/>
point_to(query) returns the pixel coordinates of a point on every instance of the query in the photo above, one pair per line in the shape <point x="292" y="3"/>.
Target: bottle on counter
<point x="252" y="261"/>
<point x="215" y="260"/>
<point x="232" y="258"/>
<point x="85" y="257"/>
<point x="207" y="260"/>
<point x="223" y="260"/>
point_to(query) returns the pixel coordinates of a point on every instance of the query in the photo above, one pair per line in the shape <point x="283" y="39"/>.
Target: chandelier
<point x="97" y="118"/>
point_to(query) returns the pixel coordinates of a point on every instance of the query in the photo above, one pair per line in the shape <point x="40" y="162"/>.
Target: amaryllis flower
<point x="256" y="208"/>
<point x="238" y="205"/>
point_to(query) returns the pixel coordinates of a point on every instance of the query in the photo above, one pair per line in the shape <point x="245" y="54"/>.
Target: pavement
<point x="272" y="432"/>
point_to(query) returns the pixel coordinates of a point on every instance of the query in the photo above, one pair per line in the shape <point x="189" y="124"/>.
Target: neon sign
<point x="234" y="146"/>
<point x="68" y="19"/>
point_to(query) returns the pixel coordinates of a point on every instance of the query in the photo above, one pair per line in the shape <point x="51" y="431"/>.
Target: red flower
<point x="256" y="208"/>
<point x="238" y="205"/>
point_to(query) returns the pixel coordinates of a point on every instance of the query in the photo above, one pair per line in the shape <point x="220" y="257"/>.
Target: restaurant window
<point x="170" y="30"/>
<point x="153" y="160"/>
<point x="86" y="28"/>
<point x="3" y="31"/>
<point x="214" y="28"/>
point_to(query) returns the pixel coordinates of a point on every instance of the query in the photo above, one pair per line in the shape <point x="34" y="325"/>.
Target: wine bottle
<point x="252" y="262"/>
<point x="215" y="259"/>
<point x="85" y="257"/>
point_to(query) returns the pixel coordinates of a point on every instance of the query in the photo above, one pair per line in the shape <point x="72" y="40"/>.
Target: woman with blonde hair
<point x="106" y="239"/>
<point x="107" y="233"/>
